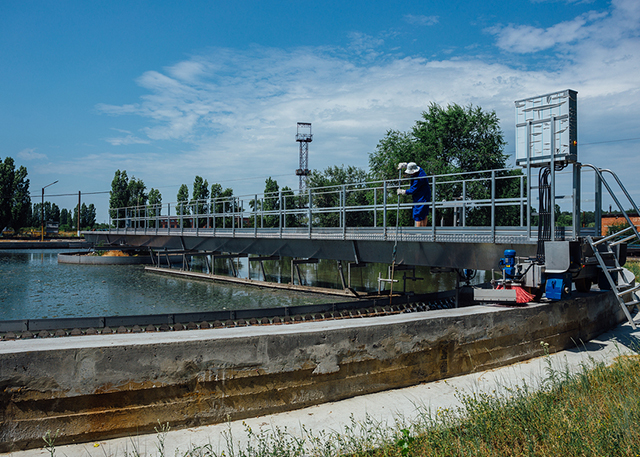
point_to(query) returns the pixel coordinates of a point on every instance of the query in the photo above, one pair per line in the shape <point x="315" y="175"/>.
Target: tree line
<point x="444" y="141"/>
<point x="17" y="212"/>
<point x="447" y="140"/>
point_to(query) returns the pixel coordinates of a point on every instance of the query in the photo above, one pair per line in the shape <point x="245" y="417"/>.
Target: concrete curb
<point x="93" y="387"/>
<point x="384" y="408"/>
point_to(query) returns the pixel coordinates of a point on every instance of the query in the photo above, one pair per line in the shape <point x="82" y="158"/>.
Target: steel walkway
<point x="477" y="216"/>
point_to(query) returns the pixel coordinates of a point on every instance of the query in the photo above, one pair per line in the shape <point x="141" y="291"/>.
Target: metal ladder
<point x="608" y="260"/>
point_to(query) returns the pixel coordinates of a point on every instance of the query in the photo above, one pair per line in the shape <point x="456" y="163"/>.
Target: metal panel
<point x="477" y="256"/>
<point x="544" y="121"/>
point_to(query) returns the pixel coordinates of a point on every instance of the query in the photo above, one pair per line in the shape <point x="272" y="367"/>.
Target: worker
<point x="420" y="190"/>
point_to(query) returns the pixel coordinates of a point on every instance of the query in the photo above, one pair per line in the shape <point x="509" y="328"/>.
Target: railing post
<point x="280" y="212"/>
<point x="577" y="192"/>
<point x="384" y="210"/>
<point x="197" y="219"/>
<point x="233" y="217"/>
<point x="375" y="207"/>
<point x="309" y="194"/>
<point x="522" y="201"/>
<point x="168" y="223"/>
<point x="284" y="208"/>
<point x="255" y="216"/>
<point x="182" y="219"/>
<point x="598" y="203"/>
<point x="553" y="177"/>
<point x="493" y="206"/>
<point x="464" y="203"/>
<point x="344" y="212"/>
<point x="433" y="210"/>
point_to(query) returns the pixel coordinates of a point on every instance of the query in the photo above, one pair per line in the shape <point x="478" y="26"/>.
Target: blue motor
<point x="509" y="262"/>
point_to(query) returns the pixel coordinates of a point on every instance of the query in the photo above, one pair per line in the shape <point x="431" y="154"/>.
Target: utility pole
<point x="42" y="209"/>
<point x="79" y="200"/>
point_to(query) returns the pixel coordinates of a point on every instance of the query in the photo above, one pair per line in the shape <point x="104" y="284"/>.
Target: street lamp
<point x="42" y="208"/>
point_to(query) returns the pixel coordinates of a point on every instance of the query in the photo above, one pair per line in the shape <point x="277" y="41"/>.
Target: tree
<point x="136" y="189"/>
<point x="87" y="216"/>
<point x="15" y="202"/>
<point x="200" y="195"/>
<point x="450" y="140"/>
<point x="355" y="195"/>
<point x="270" y="203"/>
<point x="119" y="196"/>
<point x="220" y="203"/>
<point x="66" y="220"/>
<point x="155" y="203"/>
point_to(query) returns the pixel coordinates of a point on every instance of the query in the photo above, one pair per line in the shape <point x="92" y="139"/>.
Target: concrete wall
<point x="94" y="387"/>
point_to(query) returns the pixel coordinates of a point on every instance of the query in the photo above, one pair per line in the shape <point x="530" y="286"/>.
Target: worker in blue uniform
<point x="420" y="191"/>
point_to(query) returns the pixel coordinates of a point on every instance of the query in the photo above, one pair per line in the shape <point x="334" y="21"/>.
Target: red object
<point x="522" y="296"/>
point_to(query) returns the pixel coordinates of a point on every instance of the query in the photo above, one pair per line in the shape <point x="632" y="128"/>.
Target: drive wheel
<point x="583" y="284"/>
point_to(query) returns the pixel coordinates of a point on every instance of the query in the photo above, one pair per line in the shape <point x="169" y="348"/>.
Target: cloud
<point x="31" y="154"/>
<point x="421" y="20"/>
<point x="227" y="113"/>
<point x="528" y="39"/>
<point x="126" y="140"/>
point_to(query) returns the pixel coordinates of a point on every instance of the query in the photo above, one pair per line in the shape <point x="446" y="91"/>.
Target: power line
<point x="609" y="141"/>
<point x="69" y="195"/>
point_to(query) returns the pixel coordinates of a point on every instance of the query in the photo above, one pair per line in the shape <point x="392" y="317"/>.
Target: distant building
<point x="609" y="219"/>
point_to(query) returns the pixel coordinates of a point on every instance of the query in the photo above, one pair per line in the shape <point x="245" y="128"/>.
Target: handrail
<point x="478" y="198"/>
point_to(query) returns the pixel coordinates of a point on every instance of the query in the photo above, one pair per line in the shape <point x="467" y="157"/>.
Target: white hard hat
<point x="412" y="168"/>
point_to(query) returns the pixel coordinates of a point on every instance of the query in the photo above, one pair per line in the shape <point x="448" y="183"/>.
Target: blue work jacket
<point x="420" y="190"/>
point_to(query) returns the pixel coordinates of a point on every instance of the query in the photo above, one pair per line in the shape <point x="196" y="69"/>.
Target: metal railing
<point x="485" y="206"/>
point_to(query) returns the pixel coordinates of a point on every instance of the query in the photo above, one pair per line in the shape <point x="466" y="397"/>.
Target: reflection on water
<point x="33" y="285"/>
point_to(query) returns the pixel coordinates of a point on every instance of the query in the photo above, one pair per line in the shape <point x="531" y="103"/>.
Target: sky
<point x="170" y="90"/>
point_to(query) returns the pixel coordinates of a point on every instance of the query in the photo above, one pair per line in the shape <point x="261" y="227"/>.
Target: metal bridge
<point x="475" y="216"/>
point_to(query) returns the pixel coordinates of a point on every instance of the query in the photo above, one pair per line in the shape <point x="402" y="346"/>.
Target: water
<point x="34" y="285"/>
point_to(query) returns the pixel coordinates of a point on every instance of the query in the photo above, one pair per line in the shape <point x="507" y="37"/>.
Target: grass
<point x="595" y="412"/>
<point x="634" y="267"/>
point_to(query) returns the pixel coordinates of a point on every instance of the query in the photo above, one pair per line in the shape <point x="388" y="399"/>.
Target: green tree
<point x="155" y="203"/>
<point x="15" y="202"/>
<point x="51" y="213"/>
<point x="137" y="195"/>
<point x="270" y="202"/>
<point x="65" y="220"/>
<point x="182" y="207"/>
<point x="355" y="194"/>
<point x="200" y="195"/>
<point x="119" y="197"/>
<point x="221" y="203"/>
<point x="87" y="216"/>
<point x="290" y="202"/>
<point x="451" y="140"/>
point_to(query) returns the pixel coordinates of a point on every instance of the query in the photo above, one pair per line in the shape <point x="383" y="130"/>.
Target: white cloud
<point x="233" y="113"/>
<point x="126" y="140"/>
<point x="421" y="20"/>
<point x="30" y="154"/>
<point x="528" y="39"/>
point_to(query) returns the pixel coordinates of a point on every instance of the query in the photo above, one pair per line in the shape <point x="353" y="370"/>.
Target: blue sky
<point x="171" y="90"/>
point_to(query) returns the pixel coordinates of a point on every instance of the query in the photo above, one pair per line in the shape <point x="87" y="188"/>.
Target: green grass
<point x="634" y="267"/>
<point x="595" y="412"/>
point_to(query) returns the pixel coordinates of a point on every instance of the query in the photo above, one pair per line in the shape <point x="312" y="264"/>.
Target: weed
<point x="50" y="442"/>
